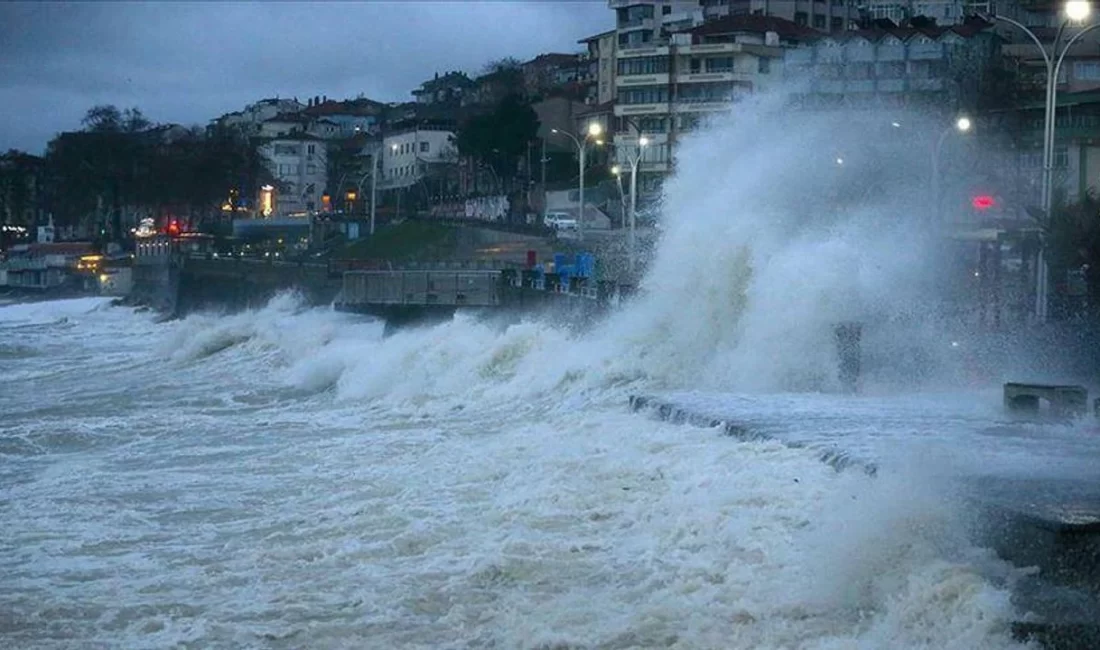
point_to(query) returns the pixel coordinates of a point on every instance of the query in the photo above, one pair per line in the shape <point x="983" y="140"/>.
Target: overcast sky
<point x="189" y="62"/>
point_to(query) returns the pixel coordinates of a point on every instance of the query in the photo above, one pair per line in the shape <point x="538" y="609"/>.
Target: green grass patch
<point x="405" y="241"/>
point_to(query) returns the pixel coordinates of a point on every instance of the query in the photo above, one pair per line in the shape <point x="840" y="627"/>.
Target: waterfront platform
<point x="1033" y="485"/>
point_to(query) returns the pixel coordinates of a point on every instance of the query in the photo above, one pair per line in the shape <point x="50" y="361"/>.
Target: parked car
<point x="560" y="221"/>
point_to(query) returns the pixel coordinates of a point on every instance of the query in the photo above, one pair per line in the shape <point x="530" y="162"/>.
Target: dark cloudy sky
<point x="188" y="62"/>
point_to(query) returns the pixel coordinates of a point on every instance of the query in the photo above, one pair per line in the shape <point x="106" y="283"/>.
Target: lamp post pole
<point x="593" y="131"/>
<point x="961" y="125"/>
<point x="1076" y="11"/>
<point x="633" y="162"/>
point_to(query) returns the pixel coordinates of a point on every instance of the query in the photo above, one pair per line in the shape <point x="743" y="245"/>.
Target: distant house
<point x="248" y="121"/>
<point x="450" y="88"/>
<point x="547" y="73"/>
<point x="351" y="117"/>
<point x="415" y="151"/>
<point x="42" y="266"/>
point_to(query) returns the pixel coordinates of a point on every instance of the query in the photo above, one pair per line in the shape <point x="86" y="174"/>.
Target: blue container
<point x="559" y="261"/>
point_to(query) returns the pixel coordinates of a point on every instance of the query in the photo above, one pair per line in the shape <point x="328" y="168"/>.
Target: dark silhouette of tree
<point x="499" y="139"/>
<point x="1073" y="244"/>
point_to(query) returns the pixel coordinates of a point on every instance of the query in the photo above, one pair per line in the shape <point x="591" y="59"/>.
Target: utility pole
<point x="543" y="161"/>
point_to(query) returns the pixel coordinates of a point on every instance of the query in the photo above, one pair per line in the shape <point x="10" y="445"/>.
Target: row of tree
<point x="120" y="161"/>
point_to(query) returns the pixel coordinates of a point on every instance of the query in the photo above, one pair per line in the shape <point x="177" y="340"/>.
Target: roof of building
<point x="876" y="34"/>
<point x="448" y="80"/>
<point x="288" y="117"/>
<point x="56" y="248"/>
<point x="754" y="25"/>
<point x="552" y="59"/>
<point x="596" y="37"/>
<point x="358" y="107"/>
<point x="594" y="109"/>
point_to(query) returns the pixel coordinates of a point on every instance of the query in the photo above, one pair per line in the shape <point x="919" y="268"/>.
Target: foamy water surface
<point x="287" y="478"/>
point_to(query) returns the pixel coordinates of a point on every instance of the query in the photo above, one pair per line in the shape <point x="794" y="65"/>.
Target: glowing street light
<point x="633" y="161"/>
<point x="592" y="132"/>
<point x="1077" y="11"/>
<point x="962" y="125"/>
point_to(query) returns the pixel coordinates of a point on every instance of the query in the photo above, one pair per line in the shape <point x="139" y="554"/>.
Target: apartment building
<point x="299" y="163"/>
<point x="668" y="88"/>
<point x="937" y="69"/>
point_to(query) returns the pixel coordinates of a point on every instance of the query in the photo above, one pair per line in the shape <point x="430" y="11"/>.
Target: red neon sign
<point x="982" y="202"/>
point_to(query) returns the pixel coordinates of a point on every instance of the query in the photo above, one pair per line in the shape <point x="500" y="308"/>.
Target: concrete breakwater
<point x="1052" y="524"/>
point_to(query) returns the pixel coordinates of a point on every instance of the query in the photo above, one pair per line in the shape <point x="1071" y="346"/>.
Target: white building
<point x="409" y="154"/>
<point x="248" y="121"/>
<point x="299" y="163"/>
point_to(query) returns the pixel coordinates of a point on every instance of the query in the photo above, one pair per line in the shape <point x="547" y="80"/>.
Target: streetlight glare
<point x="1078" y="10"/>
<point x="553" y="130"/>
<point x="615" y="170"/>
<point x="594" y="129"/>
<point x="643" y="141"/>
<point x="963" y="124"/>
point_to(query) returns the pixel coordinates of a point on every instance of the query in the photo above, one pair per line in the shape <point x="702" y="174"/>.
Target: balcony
<point x="802" y="55"/>
<point x="653" y="166"/>
<point x="860" y="53"/>
<point x="641" y="109"/>
<point x="636" y="23"/>
<point x="641" y="80"/>
<point x="891" y="85"/>
<point x="891" y="53"/>
<point x="708" y="106"/>
<point x="859" y="86"/>
<point x="641" y="49"/>
<point x="711" y="77"/>
<point x="926" y="84"/>
<point x="925" y="51"/>
<point x="828" y="86"/>
<point x="709" y="48"/>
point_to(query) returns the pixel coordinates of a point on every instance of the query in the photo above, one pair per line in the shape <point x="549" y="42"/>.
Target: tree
<point x="105" y="118"/>
<point x="1073" y="244"/>
<point x="499" y="139"/>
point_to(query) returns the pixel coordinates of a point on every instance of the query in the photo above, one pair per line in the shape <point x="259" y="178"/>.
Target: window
<point x="696" y="66"/>
<point x="286" y="150"/>
<point x="310" y="149"/>
<point x="666" y="10"/>
<point x="644" y="65"/>
<point x="720" y="64"/>
<point x="652" y="125"/>
<point x="819" y="21"/>
<point x="311" y="169"/>
<point x="801" y="18"/>
<point x="1086" y="70"/>
<point x="764" y="65"/>
<point x="424" y="147"/>
<point x="836" y="24"/>
<point x="644" y="95"/>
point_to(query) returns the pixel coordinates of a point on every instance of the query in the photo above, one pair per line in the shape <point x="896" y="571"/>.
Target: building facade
<point x="412" y="153"/>
<point x="299" y="163"/>
<point x="934" y="69"/>
<point x="669" y="89"/>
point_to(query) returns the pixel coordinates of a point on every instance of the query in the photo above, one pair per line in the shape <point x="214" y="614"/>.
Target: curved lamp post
<point x="592" y="133"/>
<point x="961" y="125"/>
<point x="1076" y="12"/>
<point x="633" y="161"/>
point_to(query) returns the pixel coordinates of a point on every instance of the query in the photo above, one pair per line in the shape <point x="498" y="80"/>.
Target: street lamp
<point x="591" y="133"/>
<point x="633" y="161"/>
<point x="961" y="125"/>
<point x="1076" y="11"/>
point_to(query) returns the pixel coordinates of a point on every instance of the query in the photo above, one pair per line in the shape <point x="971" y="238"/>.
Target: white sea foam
<point x="287" y="477"/>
